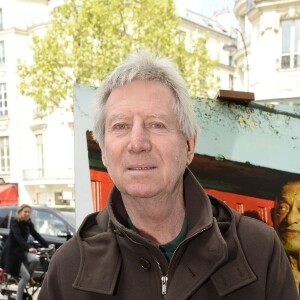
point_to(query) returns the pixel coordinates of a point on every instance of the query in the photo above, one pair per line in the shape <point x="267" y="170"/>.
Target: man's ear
<point x="103" y="156"/>
<point x="191" y="144"/>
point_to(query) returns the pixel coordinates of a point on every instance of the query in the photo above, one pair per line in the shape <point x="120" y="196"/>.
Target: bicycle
<point x="8" y="282"/>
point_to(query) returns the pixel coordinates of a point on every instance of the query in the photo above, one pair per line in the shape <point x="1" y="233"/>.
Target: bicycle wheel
<point x="26" y="296"/>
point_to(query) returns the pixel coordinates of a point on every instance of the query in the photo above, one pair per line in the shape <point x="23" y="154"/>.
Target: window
<point x="231" y="80"/>
<point x="290" y="49"/>
<point x="4" y="155"/>
<point x="1" y="20"/>
<point x="40" y="152"/>
<point x="2" y="53"/>
<point x="3" y="100"/>
<point x="230" y="61"/>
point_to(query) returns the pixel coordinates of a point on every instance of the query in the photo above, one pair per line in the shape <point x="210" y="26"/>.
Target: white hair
<point x="144" y="66"/>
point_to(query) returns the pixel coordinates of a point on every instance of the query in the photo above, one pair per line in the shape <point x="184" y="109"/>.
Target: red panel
<point x="101" y="185"/>
<point x="243" y="203"/>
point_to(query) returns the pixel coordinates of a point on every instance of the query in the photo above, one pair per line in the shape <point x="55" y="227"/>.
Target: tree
<point x="86" y="39"/>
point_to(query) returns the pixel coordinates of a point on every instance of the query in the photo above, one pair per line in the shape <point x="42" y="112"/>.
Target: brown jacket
<point x="224" y="256"/>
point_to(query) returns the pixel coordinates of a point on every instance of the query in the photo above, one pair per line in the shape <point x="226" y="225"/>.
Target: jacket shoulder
<point x="253" y="226"/>
<point x="258" y="239"/>
<point x="93" y="223"/>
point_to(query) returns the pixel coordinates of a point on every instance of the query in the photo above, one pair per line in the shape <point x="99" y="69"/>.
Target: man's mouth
<point x="141" y="168"/>
<point x="290" y="231"/>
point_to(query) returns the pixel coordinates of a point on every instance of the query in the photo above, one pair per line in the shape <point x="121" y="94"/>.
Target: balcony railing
<point x="48" y="174"/>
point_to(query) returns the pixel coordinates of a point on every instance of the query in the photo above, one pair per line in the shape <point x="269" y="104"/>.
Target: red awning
<point x="9" y="194"/>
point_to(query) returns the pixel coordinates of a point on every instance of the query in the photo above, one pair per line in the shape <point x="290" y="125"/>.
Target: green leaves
<point x="88" y="38"/>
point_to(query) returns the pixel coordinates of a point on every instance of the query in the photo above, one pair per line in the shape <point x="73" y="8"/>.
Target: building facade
<point x="271" y="30"/>
<point x="218" y="33"/>
<point x="35" y="153"/>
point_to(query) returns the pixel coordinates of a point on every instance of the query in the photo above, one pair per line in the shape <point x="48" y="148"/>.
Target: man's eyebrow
<point x="114" y="117"/>
<point x="159" y="116"/>
<point x="123" y="116"/>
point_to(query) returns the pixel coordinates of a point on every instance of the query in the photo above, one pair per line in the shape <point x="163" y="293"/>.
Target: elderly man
<point x="161" y="236"/>
<point x="286" y="219"/>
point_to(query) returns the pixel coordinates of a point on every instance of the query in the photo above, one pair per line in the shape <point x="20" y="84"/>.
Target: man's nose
<point x="293" y="216"/>
<point x="139" y="139"/>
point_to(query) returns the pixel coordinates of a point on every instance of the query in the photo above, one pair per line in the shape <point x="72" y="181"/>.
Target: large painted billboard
<point x="245" y="152"/>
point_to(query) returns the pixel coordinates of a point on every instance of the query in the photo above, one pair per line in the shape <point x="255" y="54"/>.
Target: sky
<point x="207" y="7"/>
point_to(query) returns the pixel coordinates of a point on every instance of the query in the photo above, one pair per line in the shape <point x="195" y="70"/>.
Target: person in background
<point x="47" y="228"/>
<point x="18" y="257"/>
<point x="161" y="236"/>
<point x="286" y="220"/>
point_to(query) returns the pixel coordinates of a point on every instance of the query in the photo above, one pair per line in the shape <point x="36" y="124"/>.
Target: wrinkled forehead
<point x="136" y="90"/>
<point x="290" y="193"/>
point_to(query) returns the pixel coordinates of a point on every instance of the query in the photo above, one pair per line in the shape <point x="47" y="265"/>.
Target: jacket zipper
<point x="164" y="278"/>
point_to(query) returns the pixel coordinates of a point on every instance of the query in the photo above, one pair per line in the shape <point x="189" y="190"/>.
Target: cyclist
<point x="18" y="257"/>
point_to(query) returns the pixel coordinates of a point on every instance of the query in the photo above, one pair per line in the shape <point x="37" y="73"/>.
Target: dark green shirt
<point x="169" y="248"/>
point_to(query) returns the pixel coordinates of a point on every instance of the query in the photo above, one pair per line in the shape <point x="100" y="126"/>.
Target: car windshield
<point x="70" y="216"/>
<point x="47" y="222"/>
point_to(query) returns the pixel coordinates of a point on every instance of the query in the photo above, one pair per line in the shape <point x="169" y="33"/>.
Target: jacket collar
<point x="218" y="254"/>
<point x="219" y="257"/>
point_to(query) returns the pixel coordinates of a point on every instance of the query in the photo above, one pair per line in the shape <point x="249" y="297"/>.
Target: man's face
<point x="144" y="151"/>
<point x="287" y="216"/>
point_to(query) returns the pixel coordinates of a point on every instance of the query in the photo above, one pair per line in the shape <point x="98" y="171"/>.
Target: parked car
<point x="53" y="226"/>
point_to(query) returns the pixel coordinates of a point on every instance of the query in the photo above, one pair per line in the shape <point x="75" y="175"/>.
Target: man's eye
<point x="283" y="208"/>
<point x="119" y="126"/>
<point x="158" y="125"/>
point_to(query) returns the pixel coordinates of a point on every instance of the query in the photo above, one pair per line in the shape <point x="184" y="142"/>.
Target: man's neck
<point x="157" y="220"/>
